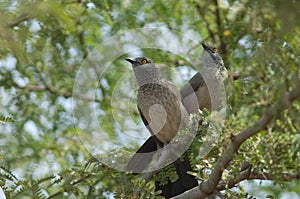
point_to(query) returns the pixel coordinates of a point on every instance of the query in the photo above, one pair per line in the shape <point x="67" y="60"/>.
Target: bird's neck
<point x="146" y="74"/>
<point x="217" y="71"/>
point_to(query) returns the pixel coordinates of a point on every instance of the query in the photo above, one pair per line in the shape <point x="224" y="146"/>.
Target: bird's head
<point x="145" y="70"/>
<point x="139" y="61"/>
<point x="211" y="57"/>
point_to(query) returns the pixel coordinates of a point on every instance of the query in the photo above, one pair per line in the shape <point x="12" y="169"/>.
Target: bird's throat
<point x="146" y="74"/>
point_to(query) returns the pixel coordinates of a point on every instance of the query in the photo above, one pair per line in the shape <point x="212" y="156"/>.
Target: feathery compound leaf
<point x="6" y="173"/>
<point x="4" y="119"/>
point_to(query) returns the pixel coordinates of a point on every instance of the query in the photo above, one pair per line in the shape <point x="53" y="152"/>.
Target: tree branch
<point x="208" y="187"/>
<point x="202" y="14"/>
<point x="220" y="27"/>
<point x="254" y="174"/>
<point x="21" y="18"/>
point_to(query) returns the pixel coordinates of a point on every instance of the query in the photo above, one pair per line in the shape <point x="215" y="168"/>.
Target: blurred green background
<point x="43" y="44"/>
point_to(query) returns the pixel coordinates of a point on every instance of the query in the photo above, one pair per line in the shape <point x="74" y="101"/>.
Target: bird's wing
<point x="192" y="85"/>
<point x="146" y="123"/>
<point x="159" y="143"/>
<point x="142" y="158"/>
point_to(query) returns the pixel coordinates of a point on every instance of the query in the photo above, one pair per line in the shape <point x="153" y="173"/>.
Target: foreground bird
<point x="161" y="109"/>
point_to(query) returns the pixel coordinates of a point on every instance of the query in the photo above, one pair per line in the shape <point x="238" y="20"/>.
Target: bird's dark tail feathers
<point x="184" y="182"/>
<point x="142" y="158"/>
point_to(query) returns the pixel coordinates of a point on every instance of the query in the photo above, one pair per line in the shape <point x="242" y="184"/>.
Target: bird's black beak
<point x="131" y="61"/>
<point x="205" y="47"/>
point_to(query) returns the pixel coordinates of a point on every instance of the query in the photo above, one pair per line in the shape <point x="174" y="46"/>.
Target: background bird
<point x="205" y="89"/>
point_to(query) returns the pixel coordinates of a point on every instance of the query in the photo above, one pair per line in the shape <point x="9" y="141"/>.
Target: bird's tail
<point x="142" y="158"/>
<point x="184" y="182"/>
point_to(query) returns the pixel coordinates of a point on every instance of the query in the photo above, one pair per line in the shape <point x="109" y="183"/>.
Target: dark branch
<point x="220" y="28"/>
<point x="256" y="175"/>
<point x="202" y="14"/>
<point x="21" y="18"/>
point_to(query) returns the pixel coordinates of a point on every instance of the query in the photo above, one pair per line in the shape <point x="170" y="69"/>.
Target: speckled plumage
<point x="160" y="104"/>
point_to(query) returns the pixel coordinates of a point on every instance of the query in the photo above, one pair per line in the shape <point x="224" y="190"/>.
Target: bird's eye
<point x="215" y="50"/>
<point x="144" y="61"/>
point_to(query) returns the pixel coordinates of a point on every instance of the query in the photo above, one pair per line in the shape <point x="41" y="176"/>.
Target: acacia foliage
<point x="44" y="42"/>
